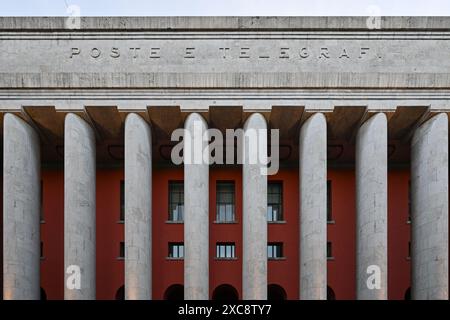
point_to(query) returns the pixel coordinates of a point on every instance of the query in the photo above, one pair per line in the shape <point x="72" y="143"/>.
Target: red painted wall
<point x="342" y="270"/>
<point x="399" y="266"/>
<point x="225" y="271"/>
<point x="285" y="273"/>
<point x="110" y="269"/>
<point x="165" y="272"/>
<point x="109" y="234"/>
<point x="52" y="233"/>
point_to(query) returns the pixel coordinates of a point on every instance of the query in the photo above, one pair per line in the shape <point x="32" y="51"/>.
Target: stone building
<point x="94" y="207"/>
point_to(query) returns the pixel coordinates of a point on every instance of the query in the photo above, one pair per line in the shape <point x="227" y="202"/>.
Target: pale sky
<point x="226" y="7"/>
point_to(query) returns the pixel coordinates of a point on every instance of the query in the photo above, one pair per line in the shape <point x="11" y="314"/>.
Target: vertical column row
<point x="429" y="174"/>
<point x="22" y="209"/>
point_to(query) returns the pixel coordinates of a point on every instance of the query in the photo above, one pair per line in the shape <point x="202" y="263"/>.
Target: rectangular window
<point x="176" y="201"/>
<point x="329" y="202"/>
<point x="122" y="201"/>
<point x="274" y="201"/>
<point x="275" y="250"/>
<point x="42" y="202"/>
<point x="122" y="250"/>
<point x="225" y="202"/>
<point x="409" y="201"/>
<point x="329" y="250"/>
<point x="225" y="250"/>
<point x="176" y="250"/>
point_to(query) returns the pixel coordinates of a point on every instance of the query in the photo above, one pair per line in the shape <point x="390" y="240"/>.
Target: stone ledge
<point x="222" y="23"/>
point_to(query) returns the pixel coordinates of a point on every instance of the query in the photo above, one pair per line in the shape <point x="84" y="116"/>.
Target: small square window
<point x="41" y="217"/>
<point x="176" y="250"/>
<point x="329" y="250"/>
<point x="329" y="202"/>
<point x="122" y="250"/>
<point x="275" y="250"/>
<point x="409" y="202"/>
<point x="122" y="201"/>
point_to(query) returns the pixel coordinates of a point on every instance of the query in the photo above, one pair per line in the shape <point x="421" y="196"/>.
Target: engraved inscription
<point x="189" y="53"/>
<point x="244" y="53"/>
<point x="154" y="53"/>
<point x="280" y="53"/>
<point x="224" y="52"/>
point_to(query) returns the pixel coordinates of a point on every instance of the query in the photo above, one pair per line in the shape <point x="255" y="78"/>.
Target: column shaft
<point x="254" y="182"/>
<point x="371" y="209"/>
<point x="79" y="209"/>
<point x="429" y="191"/>
<point x="21" y="211"/>
<point x="313" y="208"/>
<point x="138" y="209"/>
<point x="196" y="211"/>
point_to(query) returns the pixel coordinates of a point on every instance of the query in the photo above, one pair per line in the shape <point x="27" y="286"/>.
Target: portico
<point x="113" y="92"/>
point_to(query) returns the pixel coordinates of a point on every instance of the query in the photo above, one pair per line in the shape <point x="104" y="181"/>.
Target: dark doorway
<point x="174" y="293"/>
<point x="120" y="294"/>
<point x="276" y="292"/>
<point x="225" y="292"/>
<point x="330" y="294"/>
<point x="408" y="294"/>
<point x="43" y="294"/>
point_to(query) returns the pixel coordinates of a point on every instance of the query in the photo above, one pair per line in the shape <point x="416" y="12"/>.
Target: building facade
<point x="94" y="206"/>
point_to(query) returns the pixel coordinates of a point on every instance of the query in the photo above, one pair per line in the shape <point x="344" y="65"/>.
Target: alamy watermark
<point x="374" y="279"/>
<point x="73" y="281"/>
<point x="208" y="146"/>
<point x="374" y="17"/>
<point x="73" y="21"/>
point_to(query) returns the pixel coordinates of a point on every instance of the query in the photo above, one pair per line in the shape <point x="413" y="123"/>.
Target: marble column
<point x="138" y="209"/>
<point x="79" y="209"/>
<point x="21" y="210"/>
<point x="254" y="184"/>
<point x="196" y="211"/>
<point x="429" y="199"/>
<point x="313" y="208"/>
<point x="371" y="209"/>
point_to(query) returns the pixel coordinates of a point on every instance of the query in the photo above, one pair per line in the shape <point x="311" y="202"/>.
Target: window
<point x="42" y="203"/>
<point x="176" y="201"/>
<point x="122" y="201"/>
<point x="329" y="202"/>
<point x="275" y="250"/>
<point x="225" y="250"/>
<point x="409" y="250"/>
<point x="225" y="202"/>
<point x="122" y="250"/>
<point x="409" y="202"/>
<point x="176" y="250"/>
<point x="329" y="250"/>
<point x="274" y="201"/>
<point x="42" y="250"/>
